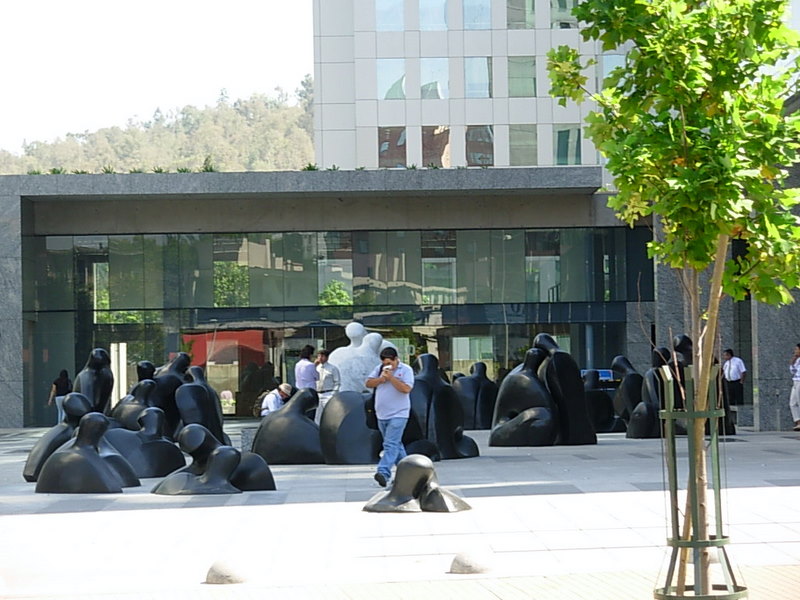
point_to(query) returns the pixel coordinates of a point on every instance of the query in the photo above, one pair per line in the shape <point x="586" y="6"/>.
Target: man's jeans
<point x="393" y="449"/>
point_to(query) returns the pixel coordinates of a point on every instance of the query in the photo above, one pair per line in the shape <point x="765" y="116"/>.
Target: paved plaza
<point x="582" y="522"/>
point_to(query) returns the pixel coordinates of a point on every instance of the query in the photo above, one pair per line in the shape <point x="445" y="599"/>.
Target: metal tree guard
<point x="730" y="590"/>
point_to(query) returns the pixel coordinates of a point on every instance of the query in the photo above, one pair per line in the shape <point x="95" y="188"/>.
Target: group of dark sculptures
<point x="172" y="411"/>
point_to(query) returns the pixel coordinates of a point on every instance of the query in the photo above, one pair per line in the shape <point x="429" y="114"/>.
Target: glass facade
<point x="391" y="78"/>
<point x="434" y="78"/>
<point x="246" y="303"/>
<point x="391" y="147"/>
<point x="436" y="146"/>
<point x="480" y="145"/>
<point x="567" y="144"/>
<point x="389" y="15"/>
<point x="521" y="76"/>
<point x="477" y="14"/>
<point x="522" y="145"/>
<point x="520" y="14"/>
<point x="433" y="15"/>
<point x="561" y="14"/>
<point x="478" y="77"/>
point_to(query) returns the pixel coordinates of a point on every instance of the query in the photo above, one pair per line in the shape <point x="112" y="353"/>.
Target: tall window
<point x="522" y="145"/>
<point x="391" y="147"/>
<point x="335" y="268"/>
<point x="609" y="62"/>
<point x="436" y="146"/>
<point x="542" y="265"/>
<point x="434" y="76"/>
<point x="480" y="145"/>
<point x="478" y="77"/>
<point x="567" y="144"/>
<point x="231" y="276"/>
<point x="433" y="15"/>
<point x="438" y="267"/>
<point x="391" y="78"/>
<point x="561" y="16"/>
<point x="521" y="76"/>
<point x="519" y="14"/>
<point x="477" y="14"/>
<point x="389" y="15"/>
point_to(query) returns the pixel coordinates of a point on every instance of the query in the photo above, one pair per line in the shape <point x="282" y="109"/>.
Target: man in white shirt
<point x="305" y="372"/>
<point x="275" y="399"/>
<point x="328" y="383"/>
<point x="734" y="373"/>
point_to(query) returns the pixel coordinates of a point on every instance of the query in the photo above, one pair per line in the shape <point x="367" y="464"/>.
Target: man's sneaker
<point x="381" y="479"/>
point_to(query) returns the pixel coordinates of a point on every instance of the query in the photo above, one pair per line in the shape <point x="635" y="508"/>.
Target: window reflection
<point x="478" y="77"/>
<point x="433" y="15"/>
<point x="335" y="268"/>
<point x="231" y="277"/>
<point x="389" y="15"/>
<point x="436" y="146"/>
<point x="567" y="144"/>
<point x="521" y="76"/>
<point x="438" y="267"/>
<point x="477" y="14"/>
<point x="480" y="145"/>
<point x="434" y="78"/>
<point x="561" y="16"/>
<point x="520" y="14"/>
<point x="391" y="147"/>
<point x="391" y="78"/>
<point x="522" y="145"/>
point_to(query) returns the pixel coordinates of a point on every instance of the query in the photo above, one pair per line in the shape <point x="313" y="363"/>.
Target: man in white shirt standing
<point x="305" y="372"/>
<point x="328" y="383"/>
<point x="734" y="373"/>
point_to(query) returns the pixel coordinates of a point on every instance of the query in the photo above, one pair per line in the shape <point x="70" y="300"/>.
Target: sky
<point x="80" y="65"/>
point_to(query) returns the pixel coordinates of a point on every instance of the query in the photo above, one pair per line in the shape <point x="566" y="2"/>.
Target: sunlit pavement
<point x="551" y="523"/>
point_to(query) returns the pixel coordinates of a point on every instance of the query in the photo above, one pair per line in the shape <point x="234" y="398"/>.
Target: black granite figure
<point x="195" y="406"/>
<point x="600" y="405"/>
<point x="563" y="378"/>
<point x="344" y="437"/>
<point x="478" y="395"/>
<point x="145" y="370"/>
<point x="120" y="465"/>
<point x="629" y="392"/>
<point x="197" y="375"/>
<point x="127" y="410"/>
<point x="75" y="406"/>
<point x="252" y="474"/>
<point x="215" y="479"/>
<point x="416" y="489"/>
<point x="95" y="380"/>
<point x="147" y="450"/>
<point x="287" y="436"/>
<point x="645" y="421"/>
<point x="525" y="413"/>
<point x="168" y="378"/>
<point x="77" y="467"/>
<point x="445" y="417"/>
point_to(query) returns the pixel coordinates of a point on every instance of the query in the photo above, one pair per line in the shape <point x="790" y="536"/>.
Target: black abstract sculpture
<point x="147" y="450"/>
<point x="95" y="380"/>
<point x="196" y="406"/>
<point x="77" y="467"/>
<point x="215" y="479"/>
<point x="478" y="395"/>
<point x="169" y="377"/>
<point x="563" y="378"/>
<point x="600" y="405"/>
<point x="416" y="489"/>
<point x="197" y="375"/>
<point x="145" y="370"/>
<point x="525" y="413"/>
<point x="75" y="406"/>
<point x="128" y="409"/>
<point x="344" y="437"/>
<point x="445" y="416"/>
<point x="645" y="421"/>
<point x="251" y="474"/>
<point x="287" y="436"/>
<point x="629" y="392"/>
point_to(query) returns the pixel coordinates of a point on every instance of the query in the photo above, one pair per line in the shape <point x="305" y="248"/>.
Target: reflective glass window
<point x="577" y="266"/>
<point x="154" y="251"/>
<point x="391" y="147"/>
<point x="438" y="267"/>
<point x="543" y="265"/>
<point x="508" y="250"/>
<point x="391" y="78"/>
<point x="520" y="14"/>
<point x="434" y="76"/>
<point x="389" y="15"/>
<point x="522" y="145"/>
<point x="436" y="146"/>
<point x="473" y="254"/>
<point x="55" y="274"/>
<point x="521" y="76"/>
<point x="266" y="264"/>
<point x="404" y="276"/>
<point x="433" y="15"/>
<point x="561" y="16"/>
<point x="300" y="262"/>
<point x="369" y="268"/>
<point x="609" y="62"/>
<point x="231" y="276"/>
<point x="196" y="252"/>
<point x="477" y="14"/>
<point x="125" y="272"/>
<point x="335" y="268"/>
<point x="567" y="144"/>
<point x="480" y="145"/>
<point x="478" y="77"/>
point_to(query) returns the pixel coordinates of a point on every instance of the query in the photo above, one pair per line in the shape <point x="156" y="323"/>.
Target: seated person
<point x="274" y="400"/>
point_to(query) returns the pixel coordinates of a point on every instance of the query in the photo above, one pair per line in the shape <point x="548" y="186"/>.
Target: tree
<point x="693" y="130"/>
<point x="335" y="294"/>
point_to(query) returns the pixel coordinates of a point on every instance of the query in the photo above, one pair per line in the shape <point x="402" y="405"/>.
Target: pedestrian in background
<point x="794" y="396"/>
<point x="328" y="383"/>
<point x="62" y="386"/>
<point x="305" y="372"/>
<point x="734" y="373"/>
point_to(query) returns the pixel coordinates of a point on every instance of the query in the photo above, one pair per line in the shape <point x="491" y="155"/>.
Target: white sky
<point x="79" y="65"/>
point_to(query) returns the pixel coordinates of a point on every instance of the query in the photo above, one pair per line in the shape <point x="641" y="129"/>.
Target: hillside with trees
<point x="260" y="133"/>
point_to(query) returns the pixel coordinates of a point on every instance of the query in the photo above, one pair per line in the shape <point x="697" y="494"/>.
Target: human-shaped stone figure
<point x="75" y="405"/>
<point x="629" y="392"/>
<point x="169" y="377"/>
<point x="128" y="409"/>
<point x="525" y="413"/>
<point x="600" y="405"/>
<point x="344" y="437"/>
<point x="415" y="489"/>
<point x="196" y="374"/>
<point x="287" y="436"/>
<point x="478" y="395"/>
<point x="77" y="467"/>
<point x="215" y="479"/>
<point x="95" y="380"/>
<point x="645" y="421"/>
<point x="445" y="424"/>
<point x="145" y="370"/>
<point x="251" y="474"/>
<point x="195" y="405"/>
<point x="563" y="378"/>
<point x="349" y="359"/>
<point x="147" y="450"/>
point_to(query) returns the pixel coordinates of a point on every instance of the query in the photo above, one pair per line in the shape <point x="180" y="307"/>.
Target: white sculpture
<point x="358" y="359"/>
